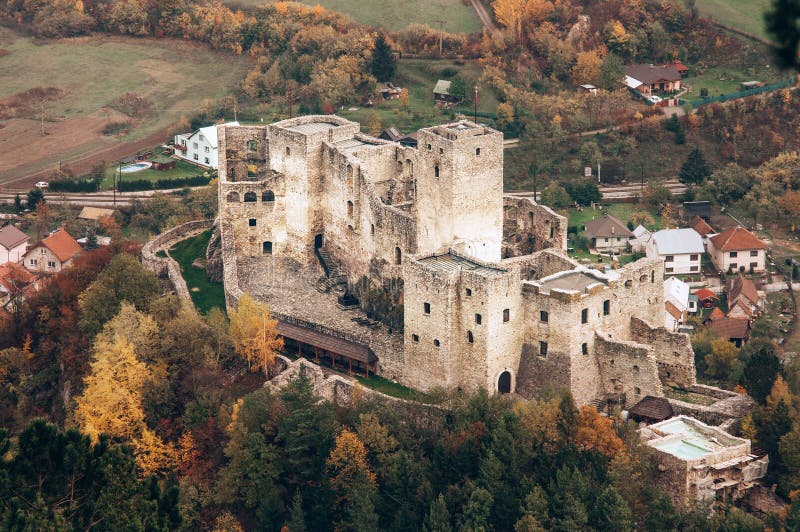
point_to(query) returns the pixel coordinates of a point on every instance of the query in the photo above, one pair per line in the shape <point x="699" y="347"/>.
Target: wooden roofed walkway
<point x="314" y="344"/>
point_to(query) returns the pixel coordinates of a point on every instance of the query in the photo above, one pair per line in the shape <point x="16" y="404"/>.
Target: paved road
<point x="94" y="199"/>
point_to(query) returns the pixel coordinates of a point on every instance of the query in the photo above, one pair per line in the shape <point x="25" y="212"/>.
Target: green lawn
<point x="396" y="15"/>
<point x="745" y="15"/>
<point x="205" y="294"/>
<point x="181" y="170"/>
<point x="419" y="76"/>
<point x="727" y="79"/>
<point x="392" y="388"/>
<point x="623" y="211"/>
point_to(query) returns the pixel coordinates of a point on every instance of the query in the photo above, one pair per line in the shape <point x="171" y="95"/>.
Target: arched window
<point x="504" y="383"/>
<point x="233" y="197"/>
<point x="250" y="197"/>
<point x="267" y="195"/>
<point x="398" y="256"/>
<point x="530" y="218"/>
<point x="436" y="171"/>
<point x="350" y="209"/>
<point x="266" y="248"/>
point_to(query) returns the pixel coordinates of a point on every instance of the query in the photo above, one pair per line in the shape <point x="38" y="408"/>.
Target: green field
<point x="727" y="79"/>
<point x="205" y="294"/>
<point x="181" y="170"/>
<point x="419" y="76"/>
<point x="745" y="15"/>
<point x="396" y="15"/>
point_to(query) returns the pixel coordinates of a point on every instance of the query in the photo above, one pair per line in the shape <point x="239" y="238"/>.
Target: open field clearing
<point x="85" y="75"/>
<point x="745" y="15"/>
<point x="397" y="15"/>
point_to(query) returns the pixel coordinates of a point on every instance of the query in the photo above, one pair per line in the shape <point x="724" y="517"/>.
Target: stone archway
<point x="504" y="383"/>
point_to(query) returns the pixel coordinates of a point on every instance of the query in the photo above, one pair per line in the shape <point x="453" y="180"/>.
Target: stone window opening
<point x="585" y="315"/>
<point x="441" y="151"/>
<point x="288" y="151"/>
<point x="233" y="197"/>
<point x="250" y="197"/>
<point x="543" y="349"/>
<point x="398" y="256"/>
<point x="478" y="319"/>
<point x="628" y="283"/>
<point x="266" y="248"/>
<point x="372" y="229"/>
<point x="436" y="171"/>
<point x="477" y="152"/>
<point x="635" y="369"/>
<point x="637" y="390"/>
<point x="552" y="231"/>
<point x="252" y="145"/>
<point x="469" y="291"/>
<point x="427" y="308"/>
<point x="606" y="307"/>
<point x="530" y="218"/>
<point x="470" y="337"/>
<point x="267" y="196"/>
<point x="436" y="342"/>
<point x="415" y="338"/>
<point x="232" y="173"/>
<point x="251" y="222"/>
<point x="585" y="348"/>
<point x="544" y="316"/>
<point x="652" y="276"/>
<point x="611" y="362"/>
<point x="429" y="147"/>
<point x="349" y="209"/>
<point x="506" y="315"/>
<point x="504" y="383"/>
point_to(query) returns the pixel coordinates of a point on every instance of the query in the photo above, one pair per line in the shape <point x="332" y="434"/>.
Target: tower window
<point x="470" y="338"/>
<point x="544" y="316"/>
<point x="585" y="315"/>
<point x="288" y="151"/>
<point x="469" y="291"/>
<point x="543" y="349"/>
<point x="398" y="255"/>
<point x="436" y="171"/>
<point x="415" y="338"/>
<point x="478" y="319"/>
<point x="506" y="315"/>
<point x="251" y="222"/>
<point x="441" y="151"/>
<point x="477" y="152"/>
<point x="585" y="348"/>
<point x="250" y="197"/>
<point x="606" y="307"/>
<point x="429" y="147"/>
<point x="350" y="209"/>
<point x="427" y="308"/>
<point x="266" y="248"/>
<point x="436" y="343"/>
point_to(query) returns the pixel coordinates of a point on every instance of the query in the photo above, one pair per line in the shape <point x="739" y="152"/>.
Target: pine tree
<point x="695" y="170"/>
<point x="297" y="518"/>
<point x="384" y="65"/>
<point x="91" y="241"/>
<point x="761" y="369"/>
<point x="17" y="203"/>
<point x="611" y="512"/>
<point x="438" y="518"/>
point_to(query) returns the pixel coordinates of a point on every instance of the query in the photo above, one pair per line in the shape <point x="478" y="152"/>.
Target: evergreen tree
<point x="458" y="88"/>
<point x="360" y="515"/>
<point x="695" y="170"/>
<point x="783" y="24"/>
<point x="477" y="511"/>
<point x="35" y="196"/>
<point x="384" y="65"/>
<point x="438" y="518"/>
<point x="91" y="241"/>
<point x="760" y="369"/>
<point x="17" y="203"/>
<point x="611" y="513"/>
<point x="297" y="519"/>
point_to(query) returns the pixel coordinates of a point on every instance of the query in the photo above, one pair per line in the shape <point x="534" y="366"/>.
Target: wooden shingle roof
<point x="651" y="408"/>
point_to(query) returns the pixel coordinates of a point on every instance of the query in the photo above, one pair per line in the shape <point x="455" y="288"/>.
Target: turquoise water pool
<point x="682" y="449"/>
<point x="136" y="167"/>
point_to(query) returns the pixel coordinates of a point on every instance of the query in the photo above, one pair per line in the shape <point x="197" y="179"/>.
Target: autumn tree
<point x="596" y="433"/>
<point x="722" y="362"/>
<point x="353" y="481"/>
<point x="587" y="67"/>
<point x="510" y="13"/>
<point x="255" y="334"/>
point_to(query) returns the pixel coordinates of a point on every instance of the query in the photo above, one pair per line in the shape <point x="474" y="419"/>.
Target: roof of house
<point x="705" y="293"/>
<point x="701" y="226"/>
<point x="672" y="310"/>
<point x="737" y="239"/>
<point x="442" y="87"/>
<point x="676" y="291"/>
<point x="11" y="237"/>
<point x="642" y="233"/>
<point x="655" y="408"/>
<point x="606" y="226"/>
<point x="730" y="327"/>
<point x="742" y="286"/>
<point x="210" y="132"/>
<point x="61" y="244"/>
<point x="11" y="272"/>
<point x="742" y="306"/>
<point x="679" y="65"/>
<point x="716" y="314"/>
<point x="650" y="74"/>
<point x="391" y="133"/>
<point x="95" y="213"/>
<point x="677" y="241"/>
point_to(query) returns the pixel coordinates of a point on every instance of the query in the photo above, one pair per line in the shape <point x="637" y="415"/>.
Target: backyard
<point x="181" y="170"/>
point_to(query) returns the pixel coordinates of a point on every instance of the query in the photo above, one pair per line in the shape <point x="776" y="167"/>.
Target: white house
<point x="737" y="249"/>
<point x="13" y="244"/>
<point x="676" y="303"/>
<point x="199" y="147"/>
<point x="641" y="236"/>
<point x="680" y="249"/>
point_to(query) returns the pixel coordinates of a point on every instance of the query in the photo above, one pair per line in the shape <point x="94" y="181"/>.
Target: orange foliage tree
<point x="596" y="433"/>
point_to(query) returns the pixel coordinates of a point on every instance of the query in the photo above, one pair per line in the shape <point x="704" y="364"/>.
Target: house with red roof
<point x="52" y="254"/>
<point x="744" y="300"/>
<point x="15" y="281"/>
<point x="737" y="249"/>
<point x="706" y="298"/>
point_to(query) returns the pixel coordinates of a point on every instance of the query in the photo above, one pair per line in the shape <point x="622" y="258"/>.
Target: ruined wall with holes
<point x="627" y="367"/>
<point x="529" y="227"/>
<point x="673" y="352"/>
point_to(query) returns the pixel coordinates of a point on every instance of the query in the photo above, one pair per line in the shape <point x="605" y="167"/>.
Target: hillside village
<point x="530" y="266"/>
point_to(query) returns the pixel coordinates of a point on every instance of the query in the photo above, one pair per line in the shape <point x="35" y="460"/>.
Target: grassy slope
<point x="396" y="15"/>
<point x="176" y="76"/>
<point x="746" y="15"/>
<point x="209" y="294"/>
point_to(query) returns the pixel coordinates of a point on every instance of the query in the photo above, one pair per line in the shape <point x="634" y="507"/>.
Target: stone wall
<point x="166" y="266"/>
<point x="673" y="351"/>
<point x="529" y="227"/>
<point x="627" y="367"/>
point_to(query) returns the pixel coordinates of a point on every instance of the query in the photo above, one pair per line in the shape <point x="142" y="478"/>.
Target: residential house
<point x="735" y="330"/>
<point x="744" y="300"/>
<point x="95" y="213"/>
<point x="15" y="281"/>
<point x="654" y="83"/>
<point x="703" y="229"/>
<point x="641" y="236"/>
<point x="200" y="146"/>
<point x="680" y="249"/>
<point x="706" y="298"/>
<point x="13" y="244"/>
<point x="698" y="463"/>
<point x="52" y="254"/>
<point x="441" y="94"/>
<point x="690" y="209"/>
<point x="676" y="303"/>
<point x="395" y="135"/>
<point x="737" y="249"/>
<point x="608" y="234"/>
<point x="651" y="410"/>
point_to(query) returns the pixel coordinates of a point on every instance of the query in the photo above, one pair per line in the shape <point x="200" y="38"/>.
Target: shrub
<point x="704" y="92"/>
<point x="113" y="128"/>
<point x="448" y="72"/>
<point x="83" y="185"/>
<point x="132" y="104"/>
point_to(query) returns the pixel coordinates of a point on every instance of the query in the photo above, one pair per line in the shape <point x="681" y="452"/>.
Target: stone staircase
<point x="334" y="280"/>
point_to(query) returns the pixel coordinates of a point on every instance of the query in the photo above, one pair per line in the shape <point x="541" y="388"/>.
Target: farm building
<point x="441" y="94"/>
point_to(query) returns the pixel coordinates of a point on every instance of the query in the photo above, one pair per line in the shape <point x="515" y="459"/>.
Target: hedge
<point x="84" y="185"/>
<point x="135" y="185"/>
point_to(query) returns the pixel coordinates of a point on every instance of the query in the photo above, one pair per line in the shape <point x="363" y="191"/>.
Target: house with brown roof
<point x="608" y="234"/>
<point x="744" y="301"/>
<point x="52" y="254"/>
<point x="703" y="228"/>
<point x="652" y="82"/>
<point x="735" y="330"/>
<point x="737" y="249"/>
<point x="15" y="282"/>
<point x="13" y="244"/>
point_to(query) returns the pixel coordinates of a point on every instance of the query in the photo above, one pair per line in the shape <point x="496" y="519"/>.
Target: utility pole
<point x="476" y="104"/>
<point x="42" y="117"/>
<point x="598" y="171"/>
<point x="441" y="35"/>
<point x="235" y="105"/>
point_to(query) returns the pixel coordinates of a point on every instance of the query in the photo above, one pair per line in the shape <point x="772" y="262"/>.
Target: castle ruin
<point x="471" y="288"/>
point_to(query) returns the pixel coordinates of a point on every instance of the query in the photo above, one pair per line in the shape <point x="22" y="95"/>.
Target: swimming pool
<point x="136" y="167"/>
<point x="682" y="449"/>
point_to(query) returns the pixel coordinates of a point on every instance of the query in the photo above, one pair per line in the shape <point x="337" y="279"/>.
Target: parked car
<point x="42" y="184"/>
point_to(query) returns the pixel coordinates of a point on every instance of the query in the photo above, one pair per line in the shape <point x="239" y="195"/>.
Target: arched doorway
<point x="504" y="383"/>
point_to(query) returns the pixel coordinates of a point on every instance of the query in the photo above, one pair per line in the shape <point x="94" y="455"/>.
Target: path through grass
<point x="205" y="293"/>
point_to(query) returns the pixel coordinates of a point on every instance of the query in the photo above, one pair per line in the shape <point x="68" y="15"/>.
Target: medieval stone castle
<point x="311" y="209"/>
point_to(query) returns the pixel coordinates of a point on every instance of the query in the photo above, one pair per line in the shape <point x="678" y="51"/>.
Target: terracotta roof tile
<point x="741" y="286"/>
<point x="737" y="239"/>
<point x="673" y="310"/>
<point x="716" y="314"/>
<point x="738" y="328"/>
<point x="11" y="272"/>
<point x="705" y="293"/>
<point x="62" y="245"/>
<point x="701" y="226"/>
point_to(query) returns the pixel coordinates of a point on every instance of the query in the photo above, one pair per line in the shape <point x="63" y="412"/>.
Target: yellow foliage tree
<point x="780" y="391"/>
<point x="618" y="37"/>
<point x="587" y="67"/>
<point x="255" y="334"/>
<point x="509" y="13"/>
<point x="596" y="433"/>
<point x="722" y="359"/>
<point x="347" y="461"/>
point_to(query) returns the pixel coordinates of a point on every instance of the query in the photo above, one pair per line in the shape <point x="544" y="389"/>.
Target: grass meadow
<point x="745" y="15"/>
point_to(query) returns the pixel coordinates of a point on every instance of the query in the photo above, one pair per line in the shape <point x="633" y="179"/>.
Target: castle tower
<point x="460" y="190"/>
